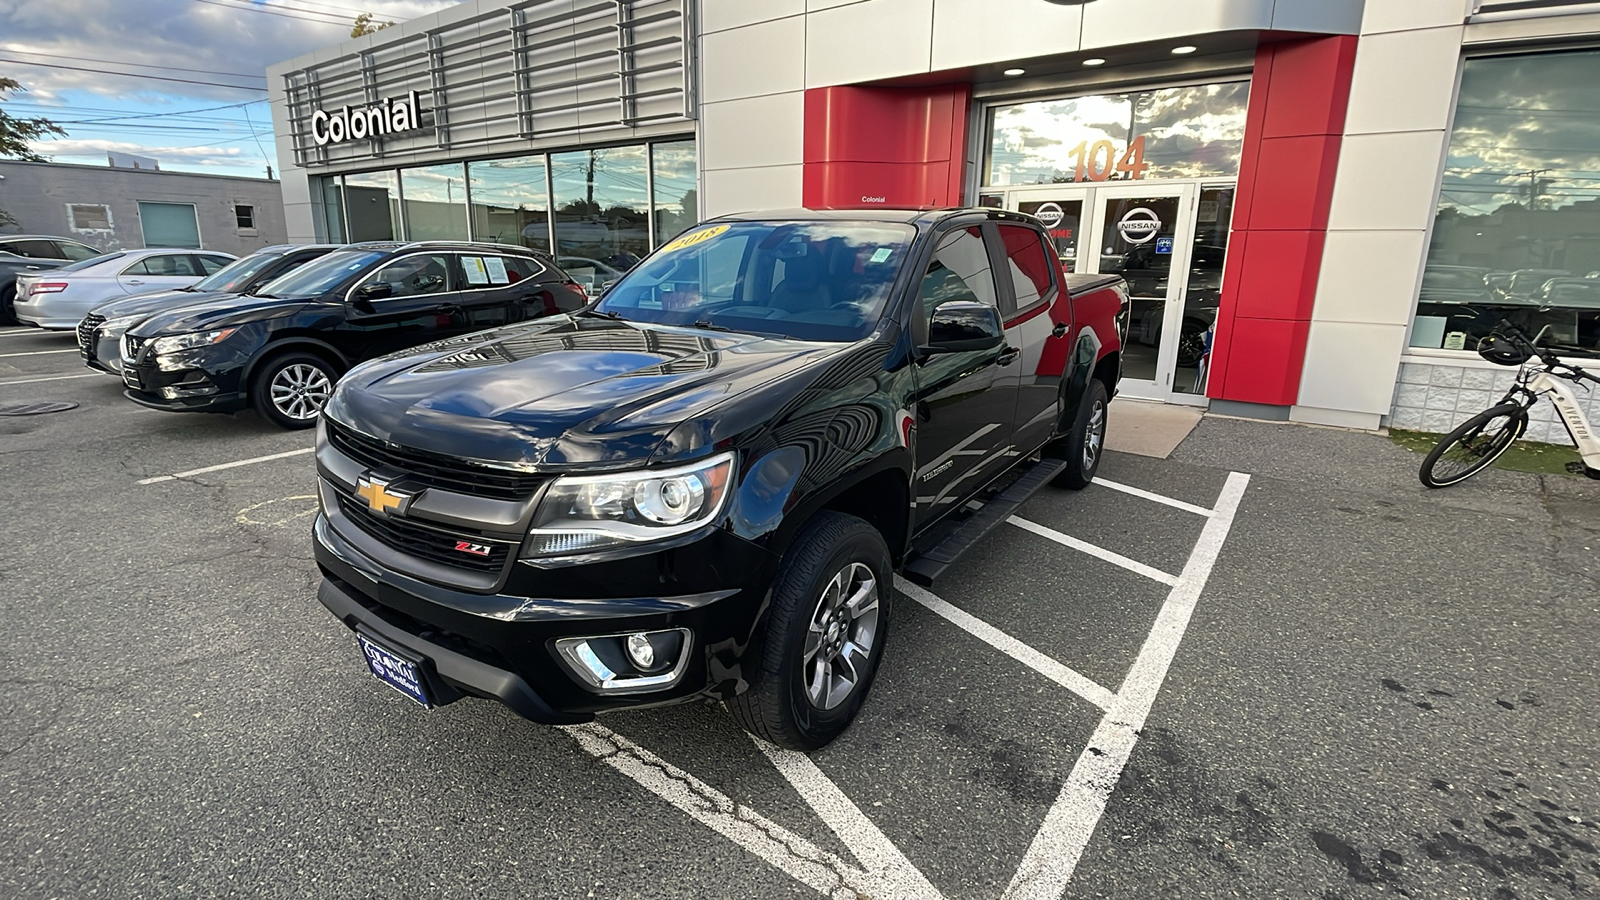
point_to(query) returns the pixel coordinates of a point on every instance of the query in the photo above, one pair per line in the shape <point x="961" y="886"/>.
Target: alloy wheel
<point x="300" y="390"/>
<point x="1094" y="436"/>
<point x="840" y="638"/>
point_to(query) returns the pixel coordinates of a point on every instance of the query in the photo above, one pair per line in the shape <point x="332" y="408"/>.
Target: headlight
<point x="115" y="328"/>
<point x="585" y="513"/>
<point x="181" y="342"/>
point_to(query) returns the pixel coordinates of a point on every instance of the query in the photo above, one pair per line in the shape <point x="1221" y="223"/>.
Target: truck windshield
<point x="320" y="276"/>
<point x="815" y="281"/>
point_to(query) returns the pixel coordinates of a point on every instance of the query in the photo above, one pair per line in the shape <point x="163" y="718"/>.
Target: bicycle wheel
<point x="1470" y="449"/>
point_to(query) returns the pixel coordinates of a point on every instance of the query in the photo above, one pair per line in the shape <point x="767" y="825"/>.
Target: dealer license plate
<point x="402" y="673"/>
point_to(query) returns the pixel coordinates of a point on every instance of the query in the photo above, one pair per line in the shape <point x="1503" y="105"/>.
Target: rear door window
<point x="170" y="265"/>
<point x="1027" y="266"/>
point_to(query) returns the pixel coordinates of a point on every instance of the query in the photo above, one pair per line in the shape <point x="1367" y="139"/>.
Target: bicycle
<point x="1482" y="439"/>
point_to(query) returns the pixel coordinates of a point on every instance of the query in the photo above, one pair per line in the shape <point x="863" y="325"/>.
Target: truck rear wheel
<point x="824" y="636"/>
<point x="1085" y="443"/>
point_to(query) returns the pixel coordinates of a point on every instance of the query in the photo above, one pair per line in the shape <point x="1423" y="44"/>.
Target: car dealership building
<point x="1319" y="205"/>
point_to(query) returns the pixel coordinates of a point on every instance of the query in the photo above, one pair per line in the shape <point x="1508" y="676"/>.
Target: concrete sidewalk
<point x="1149" y="428"/>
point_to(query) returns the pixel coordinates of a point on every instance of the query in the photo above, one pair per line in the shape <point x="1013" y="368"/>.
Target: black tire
<point x="779" y="705"/>
<point x="1473" y="446"/>
<point x="1192" y="342"/>
<point x="274" y="384"/>
<point x="1085" y="444"/>
<point x="8" y="314"/>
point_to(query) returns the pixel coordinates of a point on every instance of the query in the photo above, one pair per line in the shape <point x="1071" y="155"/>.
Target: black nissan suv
<point x="703" y="485"/>
<point x="282" y="348"/>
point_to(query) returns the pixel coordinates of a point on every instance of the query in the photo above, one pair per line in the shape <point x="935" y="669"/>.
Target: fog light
<point x="628" y="663"/>
<point x="641" y="652"/>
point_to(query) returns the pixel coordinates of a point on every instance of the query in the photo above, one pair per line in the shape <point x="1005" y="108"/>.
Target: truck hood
<point x="213" y="311"/>
<point x="574" y="392"/>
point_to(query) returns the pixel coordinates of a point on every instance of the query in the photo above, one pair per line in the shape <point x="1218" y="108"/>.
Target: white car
<point x="59" y="298"/>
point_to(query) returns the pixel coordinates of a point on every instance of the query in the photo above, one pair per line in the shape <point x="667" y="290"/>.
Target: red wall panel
<point x="874" y="146"/>
<point x="1298" y="98"/>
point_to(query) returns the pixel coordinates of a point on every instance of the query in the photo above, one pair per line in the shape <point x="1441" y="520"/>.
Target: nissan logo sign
<point x="1139" y="225"/>
<point x="1050" y="214"/>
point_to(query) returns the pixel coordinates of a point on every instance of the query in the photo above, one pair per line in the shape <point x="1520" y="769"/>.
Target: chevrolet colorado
<point x="703" y="485"/>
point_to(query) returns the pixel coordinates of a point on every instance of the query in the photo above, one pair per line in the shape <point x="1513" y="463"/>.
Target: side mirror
<point x="958" y="326"/>
<point x="375" y="290"/>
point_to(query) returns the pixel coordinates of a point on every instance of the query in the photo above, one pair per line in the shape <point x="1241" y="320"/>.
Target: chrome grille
<point x="86" y="331"/>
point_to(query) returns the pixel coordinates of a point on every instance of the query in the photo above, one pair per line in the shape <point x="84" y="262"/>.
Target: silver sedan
<point x="57" y="299"/>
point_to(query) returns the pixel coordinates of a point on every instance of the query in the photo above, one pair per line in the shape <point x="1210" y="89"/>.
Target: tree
<point x="366" y="24"/>
<point x="15" y="135"/>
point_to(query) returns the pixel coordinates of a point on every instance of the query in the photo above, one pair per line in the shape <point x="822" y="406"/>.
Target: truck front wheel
<point x="824" y="635"/>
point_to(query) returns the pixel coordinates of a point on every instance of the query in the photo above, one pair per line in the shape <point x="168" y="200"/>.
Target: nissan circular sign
<point x="1139" y="225"/>
<point x="1050" y="214"/>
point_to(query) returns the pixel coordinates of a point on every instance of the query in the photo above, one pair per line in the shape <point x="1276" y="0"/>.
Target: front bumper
<point x="502" y="645"/>
<point x="197" y="388"/>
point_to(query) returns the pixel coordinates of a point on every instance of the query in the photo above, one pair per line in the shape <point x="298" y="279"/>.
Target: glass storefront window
<point x="372" y="206"/>
<point x="1517" y="232"/>
<point x="435" y="203"/>
<point x="332" y="210"/>
<point x="601" y="207"/>
<point x="1203" y="296"/>
<point x="1187" y="132"/>
<point x="509" y="203"/>
<point x="677" y="203"/>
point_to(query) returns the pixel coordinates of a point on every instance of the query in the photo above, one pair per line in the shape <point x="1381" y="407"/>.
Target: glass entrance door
<point x="1168" y="240"/>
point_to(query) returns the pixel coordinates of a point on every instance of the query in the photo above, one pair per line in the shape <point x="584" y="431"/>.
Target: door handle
<point x="1060" y="330"/>
<point x="1007" y="355"/>
<point x="135" y="281"/>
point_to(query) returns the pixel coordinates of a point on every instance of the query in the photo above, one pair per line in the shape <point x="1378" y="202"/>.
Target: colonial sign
<point x="389" y="116"/>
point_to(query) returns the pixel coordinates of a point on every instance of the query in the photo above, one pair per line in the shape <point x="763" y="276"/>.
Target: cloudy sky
<point x="194" y="92"/>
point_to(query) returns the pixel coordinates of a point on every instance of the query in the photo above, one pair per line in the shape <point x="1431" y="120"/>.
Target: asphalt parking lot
<point x="1270" y="665"/>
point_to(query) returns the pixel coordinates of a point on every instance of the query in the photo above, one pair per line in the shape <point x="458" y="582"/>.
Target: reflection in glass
<point x="509" y="204"/>
<point x="1138" y="245"/>
<point x="1061" y="218"/>
<point x="332" y="210"/>
<point x="436" y="203"/>
<point x="1187" y="132"/>
<point x="372" y="204"/>
<point x="677" y="202"/>
<point x="1213" y="216"/>
<point x="1517" y="232"/>
<point x="601" y="205"/>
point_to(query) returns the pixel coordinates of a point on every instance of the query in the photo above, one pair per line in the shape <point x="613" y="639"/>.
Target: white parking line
<point x="1158" y="498"/>
<point x="50" y="378"/>
<point x="898" y="877"/>
<point x="1048" y="865"/>
<point x="1116" y="559"/>
<point x="1010" y="646"/>
<point x="802" y="860"/>
<point x="228" y="465"/>
<point x="36" y="353"/>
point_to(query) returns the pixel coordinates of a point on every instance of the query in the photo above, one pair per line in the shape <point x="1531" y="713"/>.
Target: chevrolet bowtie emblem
<point x="379" y="498"/>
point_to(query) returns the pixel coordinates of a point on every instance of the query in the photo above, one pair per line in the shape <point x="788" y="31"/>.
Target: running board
<point x="932" y="561"/>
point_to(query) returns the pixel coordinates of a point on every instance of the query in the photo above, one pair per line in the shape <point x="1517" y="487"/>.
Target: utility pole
<point x="1536" y="185"/>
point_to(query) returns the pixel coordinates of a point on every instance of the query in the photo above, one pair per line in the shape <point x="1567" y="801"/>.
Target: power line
<point x="120" y="62"/>
<point x="178" y="113"/>
<point x="285" y="15"/>
<point x="237" y="87"/>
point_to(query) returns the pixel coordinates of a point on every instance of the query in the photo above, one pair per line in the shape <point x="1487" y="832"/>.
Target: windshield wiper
<point x="604" y="314"/>
<point x="706" y="324"/>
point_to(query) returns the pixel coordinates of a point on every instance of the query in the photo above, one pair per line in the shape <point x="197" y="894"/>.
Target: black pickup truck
<point x="703" y="485"/>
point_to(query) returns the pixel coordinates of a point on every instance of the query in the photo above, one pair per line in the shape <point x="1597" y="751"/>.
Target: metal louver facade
<point x="574" y="71"/>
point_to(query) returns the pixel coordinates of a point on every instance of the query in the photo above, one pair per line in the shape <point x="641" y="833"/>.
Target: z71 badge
<point x="474" y="549"/>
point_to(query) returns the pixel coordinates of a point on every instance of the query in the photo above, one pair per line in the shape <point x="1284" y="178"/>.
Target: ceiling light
<point x="1015" y="72"/>
<point x="1185" y="50"/>
<point x="1096" y="61"/>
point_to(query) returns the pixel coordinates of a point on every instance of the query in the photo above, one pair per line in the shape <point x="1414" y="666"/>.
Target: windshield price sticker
<point x="881" y="255"/>
<point x="689" y="240"/>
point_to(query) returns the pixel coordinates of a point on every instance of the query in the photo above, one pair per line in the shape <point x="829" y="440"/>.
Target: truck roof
<point x="904" y="215"/>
